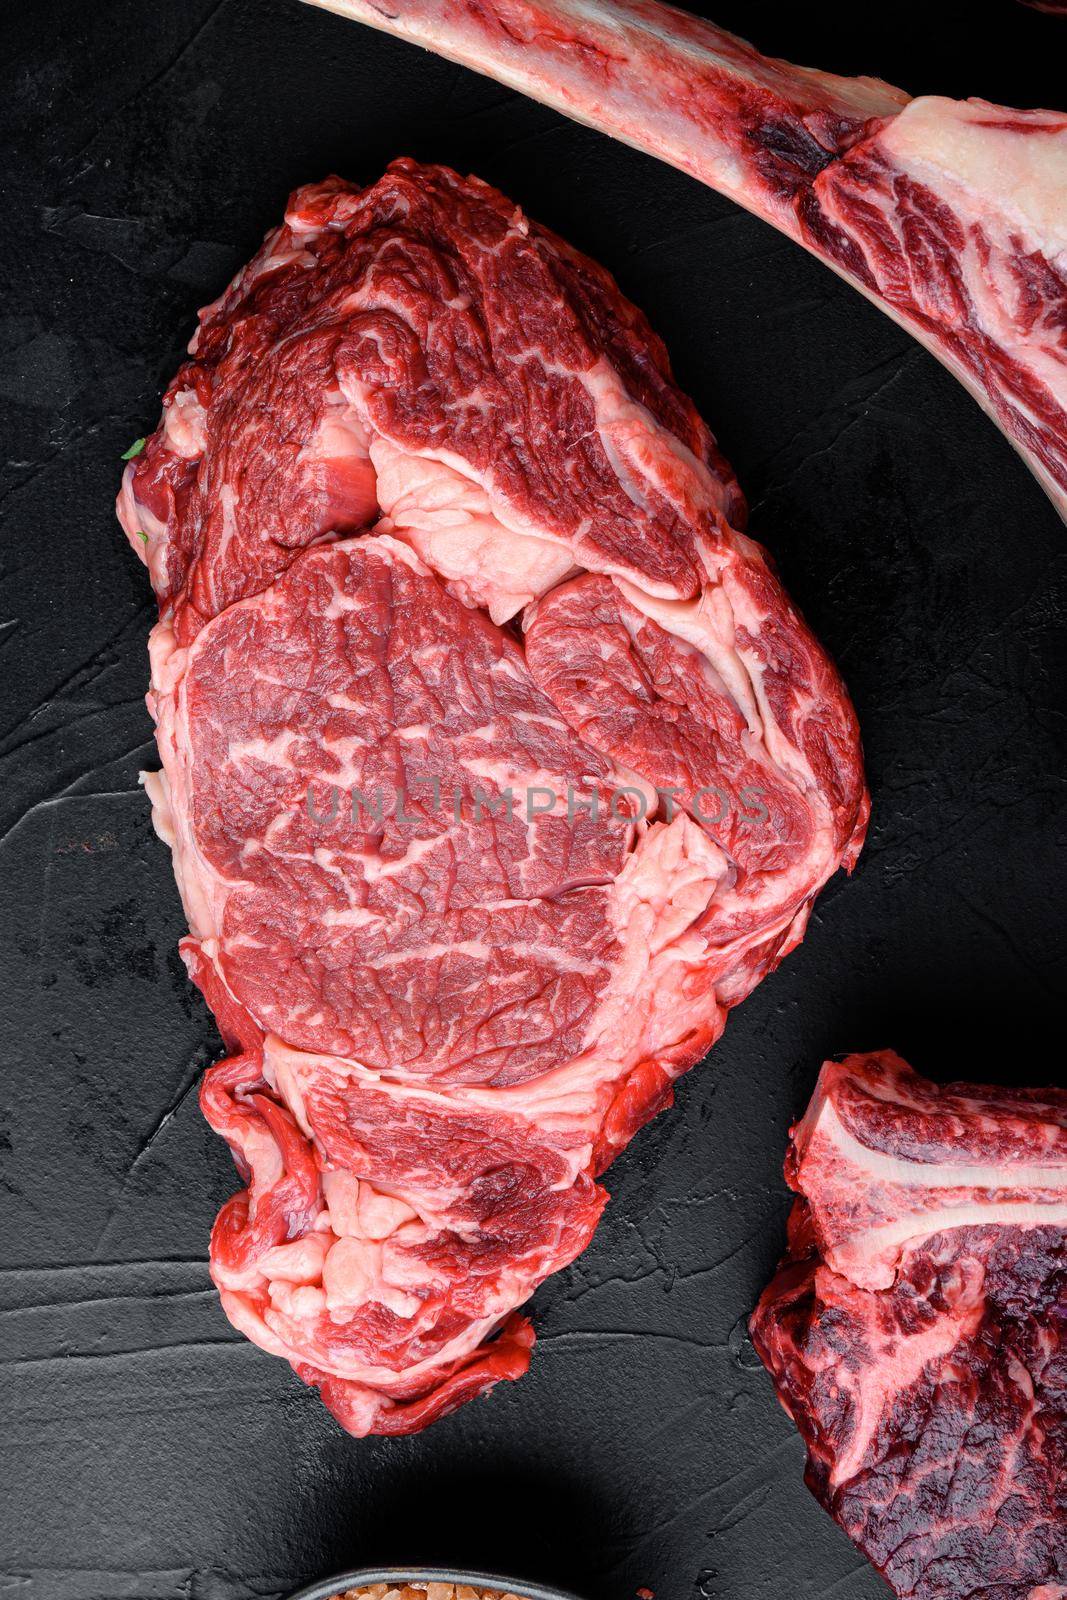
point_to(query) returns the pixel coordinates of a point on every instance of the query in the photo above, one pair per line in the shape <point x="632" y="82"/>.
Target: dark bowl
<point x="326" y="1588"/>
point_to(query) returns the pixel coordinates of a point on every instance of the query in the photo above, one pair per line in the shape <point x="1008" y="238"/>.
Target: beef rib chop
<point x="496" y="766"/>
<point x="949" y="214"/>
<point x="917" y="1328"/>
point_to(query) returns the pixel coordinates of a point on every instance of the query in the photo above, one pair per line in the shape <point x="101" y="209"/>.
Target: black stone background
<point x="151" y="1453"/>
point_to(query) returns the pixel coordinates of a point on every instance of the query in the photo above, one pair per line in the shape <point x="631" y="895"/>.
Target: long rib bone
<point x="950" y="215"/>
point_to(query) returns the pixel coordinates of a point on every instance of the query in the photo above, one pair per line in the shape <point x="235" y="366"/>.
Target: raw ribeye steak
<point x="917" y="1327"/>
<point x="496" y="766"/>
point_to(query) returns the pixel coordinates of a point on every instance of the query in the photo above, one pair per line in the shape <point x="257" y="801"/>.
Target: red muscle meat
<point x="917" y="1328"/>
<point x="951" y="215"/>
<point x="496" y="766"/>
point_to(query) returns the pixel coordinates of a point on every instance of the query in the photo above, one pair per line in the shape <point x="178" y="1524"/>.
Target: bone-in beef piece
<point x="917" y="1328"/>
<point x="949" y="214"/>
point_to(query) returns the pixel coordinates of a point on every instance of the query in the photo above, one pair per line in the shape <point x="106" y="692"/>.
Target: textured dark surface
<point x="154" y="1454"/>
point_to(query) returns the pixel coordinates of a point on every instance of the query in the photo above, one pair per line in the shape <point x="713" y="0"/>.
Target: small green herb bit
<point x="141" y="535"/>
<point x="135" y="450"/>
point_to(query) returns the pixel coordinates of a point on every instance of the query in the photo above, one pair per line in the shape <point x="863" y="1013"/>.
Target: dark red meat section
<point x="917" y="1328"/>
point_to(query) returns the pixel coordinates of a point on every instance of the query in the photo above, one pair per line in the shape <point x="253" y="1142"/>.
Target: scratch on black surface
<point x="733" y="217"/>
<point x="713" y="1266"/>
<point x="61" y="1581"/>
<point x="144" y="1583"/>
<point x="791" y="1445"/>
<point x="76" y="1357"/>
<point x="743" y="1508"/>
<point x="83" y="433"/>
<point x="211" y="1400"/>
<point x="674" y="1419"/>
<point x="1030" y="963"/>
<point x="846" y="1577"/>
<point x="191" y="1077"/>
<point x="531" y="137"/>
<point x="87" y="1302"/>
<point x="86" y="714"/>
<point x="846" y="398"/>
<point x="501" y="102"/>
<point x="46" y="885"/>
<point x="784" y="483"/>
<point x="118" y="1265"/>
<point x="17" y="1278"/>
<point x="144" y="89"/>
<point x="69" y="792"/>
<point x="85" y="673"/>
<point x="563" y="1335"/>
<point x="614" y="1280"/>
<point x="685" y="1512"/>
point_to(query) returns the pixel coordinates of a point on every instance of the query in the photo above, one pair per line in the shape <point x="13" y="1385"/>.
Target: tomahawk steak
<point x="496" y="766"/>
<point x="950" y="215"/>
<point x="917" y="1328"/>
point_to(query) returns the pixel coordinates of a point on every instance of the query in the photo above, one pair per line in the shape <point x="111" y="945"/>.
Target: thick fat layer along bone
<point x="886" y="1160"/>
<point x="950" y="215"/>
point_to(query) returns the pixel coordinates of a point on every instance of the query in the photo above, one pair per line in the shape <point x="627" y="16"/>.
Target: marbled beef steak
<point x="917" y="1328"/>
<point x="496" y="766"/>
